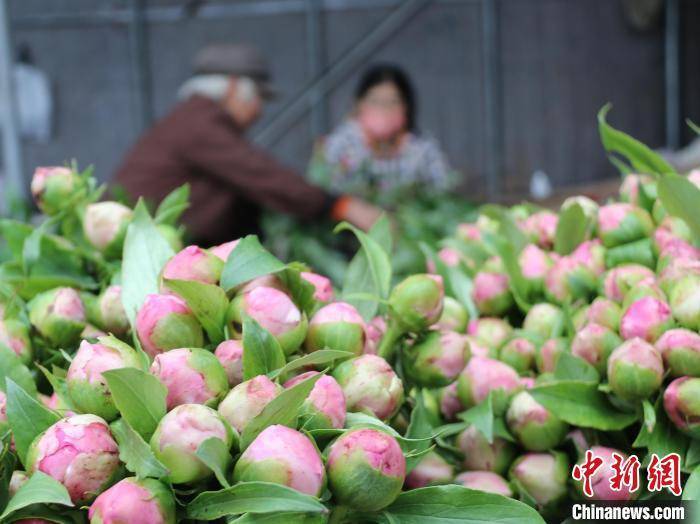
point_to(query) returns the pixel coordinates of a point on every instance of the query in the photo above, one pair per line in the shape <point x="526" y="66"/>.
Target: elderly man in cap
<point x="202" y="142"/>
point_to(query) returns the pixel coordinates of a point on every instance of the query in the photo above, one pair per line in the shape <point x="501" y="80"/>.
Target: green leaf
<point x="509" y="256"/>
<point x="261" y="351"/>
<point x="681" y="198"/>
<point x="362" y="420"/>
<point x="283" y="409"/>
<point x="581" y="404"/>
<point x="301" y="290"/>
<point x="692" y="457"/>
<point x="145" y="254"/>
<point x="39" y="489"/>
<point x="481" y="416"/>
<point x="173" y="205"/>
<point x="139" y="397"/>
<point x="457" y="283"/>
<point x="252" y="497"/>
<point x="322" y="356"/>
<point x="419" y="428"/>
<point x="637" y="252"/>
<point x="571" y="229"/>
<point x="214" y="454"/>
<point x="369" y="271"/>
<point x="508" y="229"/>
<point x="248" y="260"/>
<point x="14" y="233"/>
<point x="7" y="466"/>
<point x="691" y="490"/>
<point x="639" y="156"/>
<point x="59" y="385"/>
<point x="692" y="125"/>
<point x="27" y="417"/>
<point x="208" y="303"/>
<point x="11" y="367"/>
<point x="451" y="504"/>
<point x="664" y="438"/>
<point x="571" y="367"/>
<point x="649" y="416"/>
<point x="135" y="453"/>
<point x="279" y="518"/>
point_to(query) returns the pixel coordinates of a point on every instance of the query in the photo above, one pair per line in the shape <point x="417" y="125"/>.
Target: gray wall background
<point x="559" y="62"/>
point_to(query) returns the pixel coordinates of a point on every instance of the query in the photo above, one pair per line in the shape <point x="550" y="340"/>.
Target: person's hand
<point x="359" y="213"/>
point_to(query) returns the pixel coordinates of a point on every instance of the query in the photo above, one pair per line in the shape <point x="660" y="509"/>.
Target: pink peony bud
<point x="676" y="269"/>
<point x="484" y="375"/>
<point x="534" y="265"/>
<point x="528" y="382"/>
<point x="604" y="312"/>
<point x="629" y="189"/>
<point x="466" y="231"/>
<point x="548" y="354"/>
<point x="569" y="279"/>
<point x="87" y="387"/>
<point x="670" y="232"/>
<point x="166" y="322"/>
<point x="480" y="455"/>
<point x="104" y="225"/>
<point x="535" y="427"/>
<point x="224" y="250"/>
<point x="54" y="188"/>
<point x="519" y="353"/>
<point x="543" y="476"/>
<point x="230" y="355"/>
<point x="178" y="435"/>
<point x="336" y="326"/>
<point x="541" y="227"/>
<point x="646" y="318"/>
<point x="455" y="316"/>
<point x="490" y="332"/>
<point x="477" y="348"/>
<point x="600" y="480"/>
<point x="192" y="263"/>
<point x="15" y="336"/>
<point x="646" y="287"/>
<point x="437" y="359"/>
<point x="591" y="255"/>
<point x="274" y="311"/>
<point x="192" y="376"/>
<point x="282" y="455"/>
<point x="370" y="385"/>
<point x="681" y="402"/>
<point x="112" y="315"/>
<point x="416" y="302"/>
<point x="594" y="344"/>
<point x="322" y="286"/>
<point x="619" y="280"/>
<point x="79" y="452"/>
<point x="247" y="400"/>
<point x="58" y="315"/>
<point x="685" y="302"/>
<point x="449" y="402"/>
<point x="544" y="320"/>
<point x="432" y="470"/>
<point x="324" y="408"/>
<point x="361" y="458"/>
<point x="491" y="293"/>
<point x="621" y="223"/>
<point x="374" y="331"/>
<point x="635" y="370"/>
<point x="485" y="481"/>
<point x="680" y="349"/>
<point x="136" y="501"/>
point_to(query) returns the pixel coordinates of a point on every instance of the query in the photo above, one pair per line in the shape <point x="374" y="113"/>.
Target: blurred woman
<point x="376" y="152"/>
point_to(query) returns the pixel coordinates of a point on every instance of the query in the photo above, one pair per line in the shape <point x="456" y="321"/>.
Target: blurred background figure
<point x="377" y="151"/>
<point x="202" y="142"/>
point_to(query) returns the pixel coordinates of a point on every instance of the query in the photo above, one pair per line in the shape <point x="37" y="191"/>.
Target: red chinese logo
<point x="586" y="470"/>
<point x="625" y="473"/>
<point x="664" y="473"/>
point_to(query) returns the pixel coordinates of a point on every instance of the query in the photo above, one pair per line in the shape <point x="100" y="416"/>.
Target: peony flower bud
<point x="324" y="408"/>
<point x="600" y="480"/>
<point x="543" y="476"/>
<point x="274" y="311"/>
<point x="519" y="353"/>
<point x="133" y="500"/>
<point x="54" y="188"/>
<point x="590" y="207"/>
<point x="192" y="376"/>
<point x="58" y="315"/>
<point x="605" y="312"/>
<point x="455" y="316"/>
<point x="544" y="319"/>
<point x="432" y="470"/>
<point x="374" y="331"/>
<point x="477" y="348"/>
<point x="629" y="189"/>
<point x="548" y="354"/>
<point x="594" y="344"/>
<point x="437" y="359"/>
<point x="224" y="250"/>
<point x="166" y="322"/>
<point x="370" y="385"/>
<point x="682" y="404"/>
<point x="568" y="280"/>
<point x="230" y="355"/>
<point x="621" y="223"/>
<point x="534" y="265"/>
<point x="491" y="332"/>
<point x="449" y="402"/>
<point x="192" y="263"/>
<point x="336" y="326"/>
<point x="87" y="387"/>
<point x="178" y="435"/>
<point x="485" y="481"/>
<point x="541" y="227"/>
<point x="323" y="288"/>
<point x="91" y="333"/>
<point x="416" y="302"/>
<point x="282" y="455"/>
<point x="676" y="269"/>
<point x="361" y="458"/>
<point x="79" y="452"/>
<point x="491" y="293"/>
<point x="484" y="375"/>
<point x="579" y="318"/>
<point x="15" y="336"/>
<point x="112" y="315"/>
<point x="670" y="230"/>
<point x="635" y="370"/>
<point x="105" y="224"/>
<point x="466" y="232"/>
<point x="646" y="287"/>
<point x="535" y="427"/>
<point x="591" y="255"/>
<point x="619" y="280"/>
<point x="479" y="455"/>
<point x="674" y="249"/>
<point x="685" y="302"/>
<point x="680" y="349"/>
<point x="646" y="318"/>
<point x="247" y="400"/>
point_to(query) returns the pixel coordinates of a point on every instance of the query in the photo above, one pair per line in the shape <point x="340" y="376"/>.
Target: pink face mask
<point x="381" y="125"/>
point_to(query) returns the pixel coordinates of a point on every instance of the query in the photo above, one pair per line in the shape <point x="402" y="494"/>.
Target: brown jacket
<point x="231" y="180"/>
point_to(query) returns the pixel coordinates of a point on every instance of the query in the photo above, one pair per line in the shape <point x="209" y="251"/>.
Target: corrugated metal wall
<point x="560" y="61"/>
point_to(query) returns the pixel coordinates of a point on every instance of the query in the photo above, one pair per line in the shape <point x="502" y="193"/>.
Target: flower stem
<point x="388" y="342"/>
